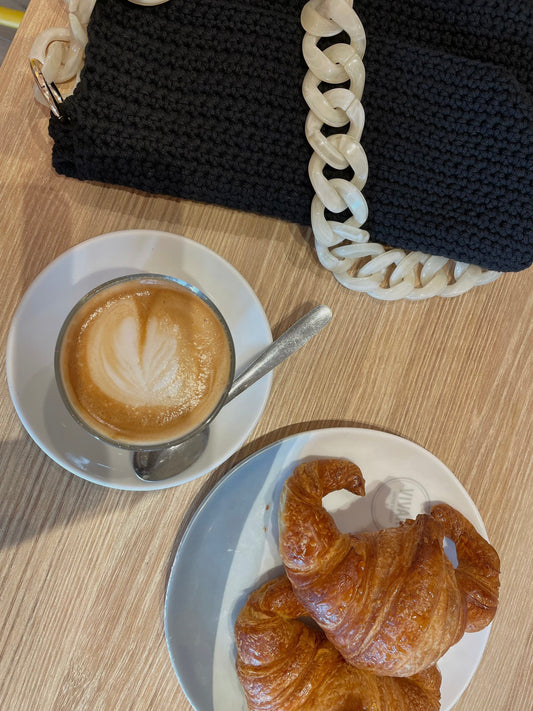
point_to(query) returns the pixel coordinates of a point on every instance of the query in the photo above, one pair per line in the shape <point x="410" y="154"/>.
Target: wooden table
<point x="84" y="569"/>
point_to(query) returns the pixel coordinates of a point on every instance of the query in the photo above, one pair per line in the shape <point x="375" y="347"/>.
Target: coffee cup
<point x="144" y="361"/>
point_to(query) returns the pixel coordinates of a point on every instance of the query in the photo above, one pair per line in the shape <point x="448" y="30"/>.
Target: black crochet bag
<point x="203" y="101"/>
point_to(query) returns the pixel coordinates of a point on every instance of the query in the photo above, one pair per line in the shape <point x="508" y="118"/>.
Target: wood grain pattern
<point x="83" y="570"/>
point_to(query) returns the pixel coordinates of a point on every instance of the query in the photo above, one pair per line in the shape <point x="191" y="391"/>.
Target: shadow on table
<point x="36" y="495"/>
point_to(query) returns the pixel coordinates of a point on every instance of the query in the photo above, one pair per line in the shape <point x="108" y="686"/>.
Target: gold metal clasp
<point x="48" y="89"/>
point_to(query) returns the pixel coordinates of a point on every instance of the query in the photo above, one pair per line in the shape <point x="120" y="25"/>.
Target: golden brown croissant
<point x="390" y="601"/>
<point x="478" y="570"/>
<point x="284" y="665"/>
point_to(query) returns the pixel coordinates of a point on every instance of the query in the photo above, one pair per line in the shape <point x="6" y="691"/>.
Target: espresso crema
<point x="144" y="361"/>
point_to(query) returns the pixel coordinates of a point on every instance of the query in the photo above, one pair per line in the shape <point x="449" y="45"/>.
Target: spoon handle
<point x="288" y="343"/>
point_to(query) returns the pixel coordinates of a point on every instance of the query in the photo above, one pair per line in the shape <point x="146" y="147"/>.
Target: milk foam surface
<point x="138" y="368"/>
<point x="145" y="363"/>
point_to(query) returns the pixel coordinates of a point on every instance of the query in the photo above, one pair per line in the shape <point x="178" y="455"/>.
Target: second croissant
<point x="285" y="665"/>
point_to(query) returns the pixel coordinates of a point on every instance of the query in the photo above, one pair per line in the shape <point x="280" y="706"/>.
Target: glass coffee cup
<point x="144" y="361"/>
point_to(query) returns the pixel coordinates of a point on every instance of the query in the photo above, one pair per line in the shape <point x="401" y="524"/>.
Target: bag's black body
<point x="202" y="100"/>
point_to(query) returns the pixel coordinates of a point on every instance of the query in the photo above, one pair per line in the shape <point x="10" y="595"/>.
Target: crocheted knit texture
<point x="202" y="100"/>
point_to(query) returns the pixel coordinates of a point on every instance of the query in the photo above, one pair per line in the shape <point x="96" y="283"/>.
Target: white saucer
<point x="36" y="323"/>
<point x="221" y="559"/>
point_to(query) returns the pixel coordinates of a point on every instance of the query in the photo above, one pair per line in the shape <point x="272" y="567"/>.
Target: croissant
<point x="390" y="601"/>
<point x="285" y="665"/>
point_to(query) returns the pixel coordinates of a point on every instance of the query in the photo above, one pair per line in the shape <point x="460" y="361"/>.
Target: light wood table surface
<point x="83" y="568"/>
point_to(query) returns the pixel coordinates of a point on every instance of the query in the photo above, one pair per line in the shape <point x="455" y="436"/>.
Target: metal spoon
<point x="162" y="464"/>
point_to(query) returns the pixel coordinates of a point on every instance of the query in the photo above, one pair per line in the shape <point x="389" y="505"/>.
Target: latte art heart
<point x="145" y="361"/>
<point x="135" y="367"/>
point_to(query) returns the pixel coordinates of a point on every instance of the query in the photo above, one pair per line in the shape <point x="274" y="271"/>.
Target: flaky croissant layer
<point x="390" y="601"/>
<point x="285" y="665"/>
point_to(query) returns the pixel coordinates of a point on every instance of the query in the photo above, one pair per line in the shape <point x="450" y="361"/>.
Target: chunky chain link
<point x="61" y="50"/>
<point x="345" y="248"/>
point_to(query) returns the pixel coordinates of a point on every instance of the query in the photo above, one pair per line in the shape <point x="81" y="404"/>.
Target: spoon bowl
<point x="158" y="465"/>
<point x="163" y="463"/>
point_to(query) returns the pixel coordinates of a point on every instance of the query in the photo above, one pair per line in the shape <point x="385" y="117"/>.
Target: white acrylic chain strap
<point x="344" y="247"/>
<point x="60" y="51"/>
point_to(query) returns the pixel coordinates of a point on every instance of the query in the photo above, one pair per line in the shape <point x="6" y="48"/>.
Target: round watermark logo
<point x="397" y="499"/>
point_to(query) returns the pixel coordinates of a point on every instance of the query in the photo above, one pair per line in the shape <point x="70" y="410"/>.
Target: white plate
<point x="36" y="323"/>
<point x="231" y="547"/>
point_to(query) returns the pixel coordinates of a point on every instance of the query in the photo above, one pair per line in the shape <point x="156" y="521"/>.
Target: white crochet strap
<point x="344" y="247"/>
